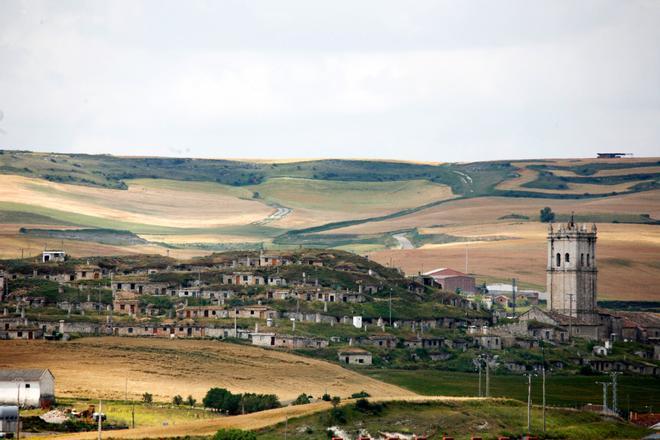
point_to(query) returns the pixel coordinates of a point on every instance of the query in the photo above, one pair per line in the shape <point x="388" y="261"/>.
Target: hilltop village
<point x="338" y="306"/>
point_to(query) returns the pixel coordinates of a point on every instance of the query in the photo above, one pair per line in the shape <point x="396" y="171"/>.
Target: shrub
<point x="364" y="406"/>
<point x="147" y="398"/>
<point x="191" y="401"/>
<point x="234" y="434"/>
<point x="360" y="395"/>
<point x="303" y="399"/>
<point x="326" y="397"/>
<point x="177" y="400"/>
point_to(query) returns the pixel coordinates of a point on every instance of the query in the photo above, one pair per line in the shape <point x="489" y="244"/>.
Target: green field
<point x="488" y="419"/>
<point x="635" y="392"/>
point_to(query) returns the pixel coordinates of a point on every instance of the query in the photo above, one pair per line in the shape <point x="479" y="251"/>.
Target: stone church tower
<point x="572" y="272"/>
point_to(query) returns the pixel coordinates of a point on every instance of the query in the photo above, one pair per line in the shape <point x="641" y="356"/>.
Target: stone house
<point x="255" y="312"/>
<point x="126" y="303"/>
<point x="355" y="356"/>
<point x="243" y="279"/>
<point x="88" y="272"/>
<point x="192" y="312"/>
<point x="383" y="340"/>
<point x="138" y="284"/>
<point x="31" y="388"/>
<point x="489" y="342"/>
<point x="280" y="294"/>
<point x="177" y="330"/>
<point x="286" y="341"/>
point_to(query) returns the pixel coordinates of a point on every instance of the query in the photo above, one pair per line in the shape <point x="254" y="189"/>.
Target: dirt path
<point x="404" y="243"/>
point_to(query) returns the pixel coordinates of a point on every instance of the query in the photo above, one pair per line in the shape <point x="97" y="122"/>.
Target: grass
<point x="635" y="392"/>
<point x="121" y="412"/>
<point x="460" y="419"/>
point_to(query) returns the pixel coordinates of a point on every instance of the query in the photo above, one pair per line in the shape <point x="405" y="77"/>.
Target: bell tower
<point x="571" y="270"/>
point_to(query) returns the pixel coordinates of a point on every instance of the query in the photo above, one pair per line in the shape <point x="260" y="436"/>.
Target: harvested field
<point x="98" y="368"/>
<point x="627" y="256"/>
<point x="161" y="203"/>
<point x="489" y="209"/>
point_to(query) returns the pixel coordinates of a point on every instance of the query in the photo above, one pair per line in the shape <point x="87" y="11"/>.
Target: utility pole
<point x="466" y="259"/>
<point x="615" y="400"/>
<point x="487" y="378"/>
<point x="543" y="372"/>
<point x="390" y="307"/>
<point x="605" y="385"/>
<point x="478" y="360"/>
<point x="100" y="418"/>
<point x="18" y="409"/>
<point x="513" y="295"/>
<point x="529" y="402"/>
<point x="570" y="316"/>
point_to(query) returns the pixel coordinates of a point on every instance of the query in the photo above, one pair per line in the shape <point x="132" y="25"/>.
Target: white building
<point x="28" y="387"/>
<point x="52" y="255"/>
<point x="8" y="419"/>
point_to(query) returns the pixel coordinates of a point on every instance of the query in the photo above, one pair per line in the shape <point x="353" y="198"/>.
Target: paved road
<point x="404" y="243"/>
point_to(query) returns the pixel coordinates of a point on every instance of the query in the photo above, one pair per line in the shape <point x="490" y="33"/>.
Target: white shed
<point x="29" y="387"/>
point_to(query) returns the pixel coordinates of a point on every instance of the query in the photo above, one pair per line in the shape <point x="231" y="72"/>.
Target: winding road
<point x="404" y="242"/>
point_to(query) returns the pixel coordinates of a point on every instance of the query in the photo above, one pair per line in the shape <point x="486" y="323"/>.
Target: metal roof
<point x="23" y="374"/>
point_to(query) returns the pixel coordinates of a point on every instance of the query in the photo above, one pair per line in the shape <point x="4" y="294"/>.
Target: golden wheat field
<point x="99" y="367"/>
<point x="628" y="256"/>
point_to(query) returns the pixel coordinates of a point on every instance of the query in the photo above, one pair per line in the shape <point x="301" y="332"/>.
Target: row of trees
<point x="224" y="400"/>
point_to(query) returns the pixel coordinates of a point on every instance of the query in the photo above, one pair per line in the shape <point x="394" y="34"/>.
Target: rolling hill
<point x="187" y="207"/>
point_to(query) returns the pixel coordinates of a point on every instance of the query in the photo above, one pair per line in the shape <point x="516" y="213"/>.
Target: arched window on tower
<point x="558" y="259"/>
<point x="567" y="258"/>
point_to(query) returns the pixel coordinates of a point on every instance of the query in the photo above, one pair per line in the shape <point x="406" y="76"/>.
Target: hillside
<point x="165" y="368"/>
<point x="188" y="207"/>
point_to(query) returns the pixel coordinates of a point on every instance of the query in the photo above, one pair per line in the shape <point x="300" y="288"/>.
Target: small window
<point x="558" y="259"/>
<point x="567" y="257"/>
<point x="581" y="259"/>
<point x="588" y="260"/>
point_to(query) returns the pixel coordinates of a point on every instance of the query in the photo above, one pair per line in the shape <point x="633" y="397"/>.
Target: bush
<point x="546" y="215"/>
<point x="336" y="400"/>
<point x="234" y="434"/>
<point x="364" y="406"/>
<point x="191" y="401"/>
<point x="303" y="399"/>
<point x="326" y="397"/>
<point x="360" y="395"/>
<point x="177" y="400"/>
<point x="147" y="398"/>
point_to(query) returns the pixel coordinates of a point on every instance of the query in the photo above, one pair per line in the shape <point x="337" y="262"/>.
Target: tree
<point x="326" y="397"/>
<point x="546" y="215"/>
<point x="190" y="401"/>
<point x="234" y="434"/>
<point x="301" y="400"/>
<point x="147" y="398"/>
<point x="222" y="400"/>
<point x="336" y="400"/>
<point x="177" y="400"/>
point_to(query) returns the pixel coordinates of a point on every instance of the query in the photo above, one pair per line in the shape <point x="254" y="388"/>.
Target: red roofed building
<point x="450" y="280"/>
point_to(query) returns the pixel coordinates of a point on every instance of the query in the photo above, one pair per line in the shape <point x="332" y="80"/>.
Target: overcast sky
<point x="416" y="80"/>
